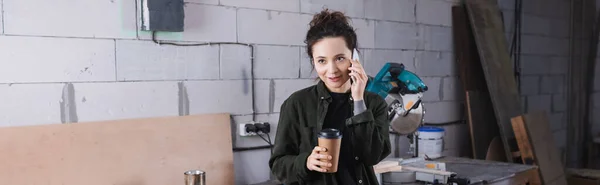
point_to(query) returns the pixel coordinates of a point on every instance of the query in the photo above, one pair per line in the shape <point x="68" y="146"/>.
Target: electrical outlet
<point x="253" y="128"/>
<point x="243" y="131"/>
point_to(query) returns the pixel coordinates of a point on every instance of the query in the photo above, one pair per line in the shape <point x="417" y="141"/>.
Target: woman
<point x="334" y="102"/>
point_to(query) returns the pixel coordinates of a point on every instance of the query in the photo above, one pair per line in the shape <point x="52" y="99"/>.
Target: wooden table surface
<point x="482" y="171"/>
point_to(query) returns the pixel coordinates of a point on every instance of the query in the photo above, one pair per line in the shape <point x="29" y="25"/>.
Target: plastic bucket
<point x="430" y="141"/>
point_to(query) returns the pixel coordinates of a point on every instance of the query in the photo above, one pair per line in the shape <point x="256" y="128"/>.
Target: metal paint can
<point x="195" y="177"/>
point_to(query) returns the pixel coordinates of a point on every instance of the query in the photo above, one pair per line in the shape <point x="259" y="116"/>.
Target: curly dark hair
<point x="329" y="24"/>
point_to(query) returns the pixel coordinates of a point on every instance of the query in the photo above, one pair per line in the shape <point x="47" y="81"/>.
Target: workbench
<point x="477" y="171"/>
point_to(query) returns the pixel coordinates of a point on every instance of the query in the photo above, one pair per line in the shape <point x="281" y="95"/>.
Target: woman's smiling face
<point x="331" y="58"/>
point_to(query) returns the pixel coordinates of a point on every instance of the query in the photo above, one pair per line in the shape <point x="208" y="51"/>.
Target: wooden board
<point x="487" y="27"/>
<point x="524" y="144"/>
<point x="533" y="131"/>
<point x="480" y="113"/>
<point x="153" y="151"/>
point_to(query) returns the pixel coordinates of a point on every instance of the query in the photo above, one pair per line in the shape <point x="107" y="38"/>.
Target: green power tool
<point x="402" y="91"/>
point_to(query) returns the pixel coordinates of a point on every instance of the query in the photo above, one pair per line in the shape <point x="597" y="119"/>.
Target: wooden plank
<point x="480" y="113"/>
<point x="523" y="140"/>
<point x="151" y="151"/>
<point x="495" y="60"/>
<point x="524" y="144"/>
<point x="533" y="130"/>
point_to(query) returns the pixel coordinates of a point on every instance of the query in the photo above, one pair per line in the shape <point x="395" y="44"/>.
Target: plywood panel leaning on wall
<point x="149" y="151"/>
<point x="487" y="26"/>
<point x="536" y="144"/>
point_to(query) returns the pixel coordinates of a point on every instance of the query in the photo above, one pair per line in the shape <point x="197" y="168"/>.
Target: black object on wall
<point x="162" y="15"/>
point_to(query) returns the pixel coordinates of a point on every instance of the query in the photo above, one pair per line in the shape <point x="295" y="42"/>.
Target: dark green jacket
<point x="301" y="118"/>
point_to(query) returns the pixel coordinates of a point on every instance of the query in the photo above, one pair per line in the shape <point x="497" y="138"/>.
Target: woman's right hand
<point x="316" y="160"/>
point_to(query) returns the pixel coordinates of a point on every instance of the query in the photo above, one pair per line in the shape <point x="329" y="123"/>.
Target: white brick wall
<point x="530" y="85"/>
<point x="365" y="31"/>
<point x="251" y="167"/>
<point x="235" y="62"/>
<point x="263" y="95"/>
<point x="559" y="28"/>
<point x="537" y="25"/>
<point x="558" y="121"/>
<point x="535" y="64"/>
<point x="124" y="100"/>
<point x="558" y="65"/>
<point x="443" y="112"/>
<point x="97" y="19"/>
<point x="452" y="89"/>
<point x="30" y="104"/>
<point x="434" y="84"/>
<point x="435" y="63"/>
<point x="212" y="2"/>
<point x="541" y="45"/>
<point x="391" y="10"/>
<point x="278" y="5"/>
<point x="394" y="35"/>
<point x="233" y="96"/>
<point x="277" y="62"/>
<point x="560" y="138"/>
<point x="544" y="59"/>
<point x="559" y="102"/>
<point x="539" y="103"/>
<point x="167" y="62"/>
<point x="352" y="8"/>
<point x="1" y="19"/>
<point x="261" y="26"/>
<point x="40" y="59"/>
<point x="553" y="84"/>
<point x="442" y="15"/>
<point x="435" y="38"/>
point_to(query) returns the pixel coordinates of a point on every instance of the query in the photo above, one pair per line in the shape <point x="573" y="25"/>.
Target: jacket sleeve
<point x="286" y="162"/>
<point x="371" y="132"/>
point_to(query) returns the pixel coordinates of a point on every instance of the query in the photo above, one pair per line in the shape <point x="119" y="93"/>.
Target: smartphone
<point x="354" y="57"/>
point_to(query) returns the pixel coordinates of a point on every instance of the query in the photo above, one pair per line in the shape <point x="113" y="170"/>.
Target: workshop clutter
<point x="510" y="144"/>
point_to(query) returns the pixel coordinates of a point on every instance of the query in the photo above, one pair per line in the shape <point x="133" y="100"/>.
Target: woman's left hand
<point x="360" y="78"/>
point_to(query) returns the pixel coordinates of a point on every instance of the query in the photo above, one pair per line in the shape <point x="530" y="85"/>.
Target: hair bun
<point x="329" y="24"/>
<point x="327" y="17"/>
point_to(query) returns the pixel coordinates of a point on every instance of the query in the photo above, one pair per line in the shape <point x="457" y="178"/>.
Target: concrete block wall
<point x="88" y="61"/>
<point x="544" y="59"/>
